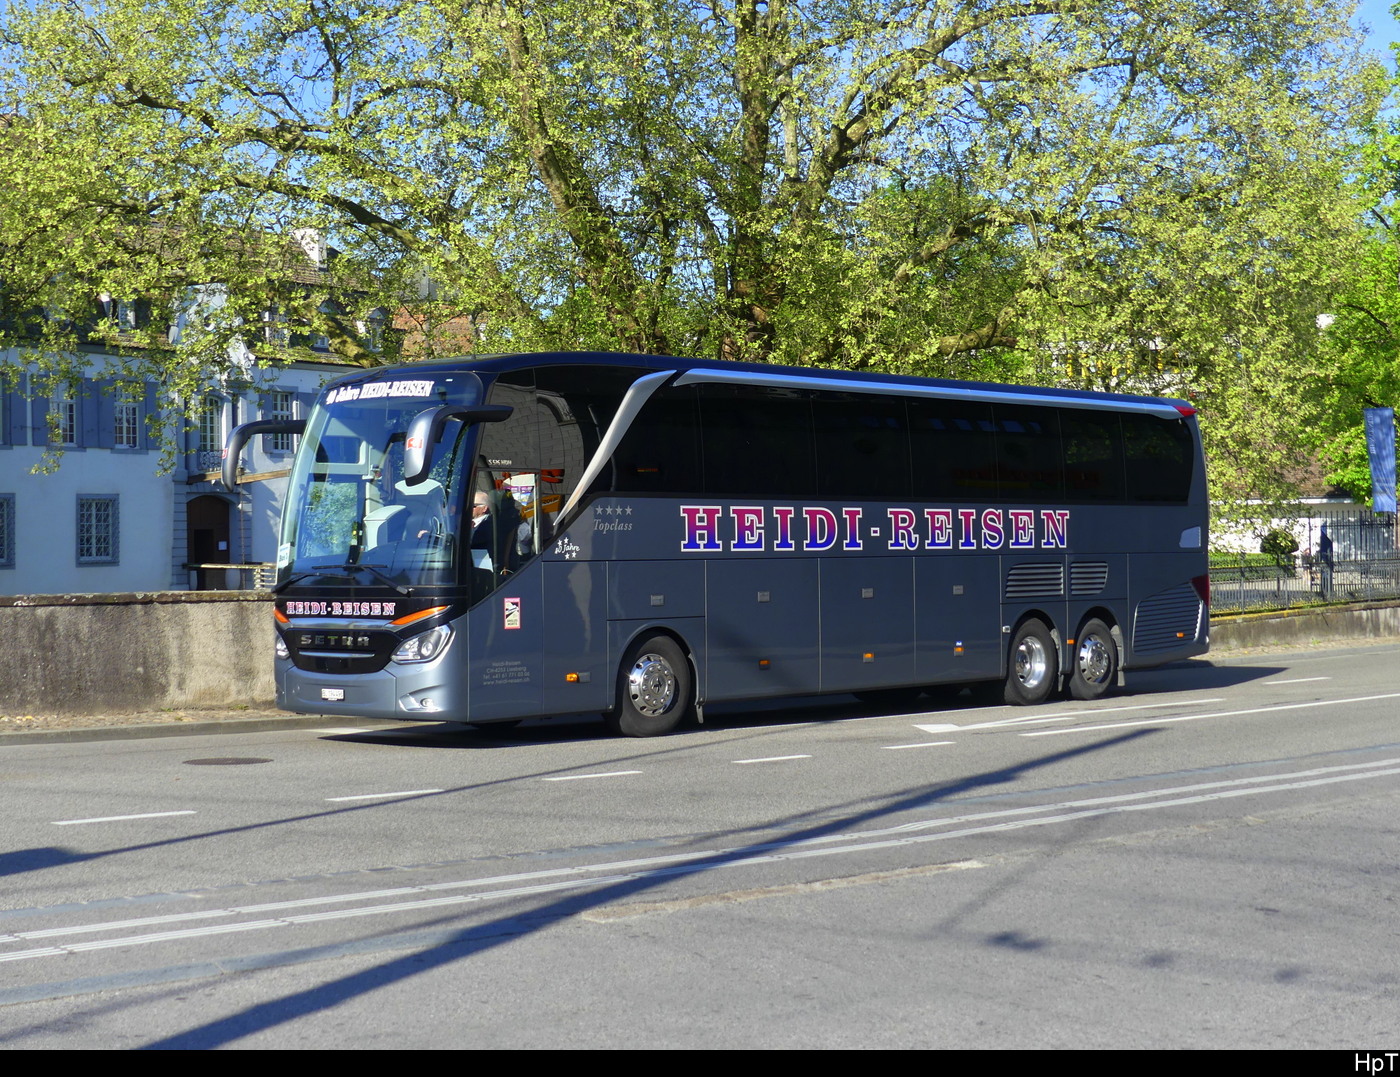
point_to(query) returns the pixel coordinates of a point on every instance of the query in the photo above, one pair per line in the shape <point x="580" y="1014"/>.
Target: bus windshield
<point x="351" y="513"/>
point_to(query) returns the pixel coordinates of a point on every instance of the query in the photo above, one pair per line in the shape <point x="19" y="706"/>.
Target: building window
<point x="7" y="530"/>
<point x="275" y="328"/>
<point x="211" y="425"/>
<point x="211" y="434"/>
<point x="97" y="530"/>
<point x="127" y="420"/>
<point x="280" y="406"/>
<point x="63" y="421"/>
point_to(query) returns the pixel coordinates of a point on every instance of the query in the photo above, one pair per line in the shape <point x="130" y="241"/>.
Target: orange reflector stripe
<point x="281" y="617"/>
<point x="409" y="618"/>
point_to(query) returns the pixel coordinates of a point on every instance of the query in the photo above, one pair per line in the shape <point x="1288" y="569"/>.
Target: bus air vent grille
<point x="1035" y="581"/>
<point x="1088" y="577"/>
<point x="1167" y="620"/>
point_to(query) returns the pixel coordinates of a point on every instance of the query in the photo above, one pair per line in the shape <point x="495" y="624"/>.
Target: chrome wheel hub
<point x="651" y="684"/>
<point x="1032" y="664"/>
<point x="1094" y="661"/>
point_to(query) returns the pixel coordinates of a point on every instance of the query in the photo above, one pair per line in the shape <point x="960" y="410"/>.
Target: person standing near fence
<point x="1324" y="560"/>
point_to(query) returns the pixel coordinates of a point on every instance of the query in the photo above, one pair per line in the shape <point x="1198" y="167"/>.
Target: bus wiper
<point x="374" y="570"/>
<point x="280" y="587"/>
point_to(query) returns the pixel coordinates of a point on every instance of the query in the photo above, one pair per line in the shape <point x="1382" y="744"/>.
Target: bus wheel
<point x="653" y="690"/>
<point x="1095" y="662"/>
<point x="1033" y="665"/>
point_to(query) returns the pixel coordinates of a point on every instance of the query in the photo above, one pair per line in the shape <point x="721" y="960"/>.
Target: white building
<point x="106" y="519"/>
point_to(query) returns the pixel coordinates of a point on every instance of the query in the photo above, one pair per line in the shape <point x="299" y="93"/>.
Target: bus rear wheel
<point x="1033" y="665"/>
<point x="654" y="690"/>
<point x="1095" y="661"/>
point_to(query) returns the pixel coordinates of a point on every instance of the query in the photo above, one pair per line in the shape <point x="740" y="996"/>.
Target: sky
<point x="1384" y="29"/>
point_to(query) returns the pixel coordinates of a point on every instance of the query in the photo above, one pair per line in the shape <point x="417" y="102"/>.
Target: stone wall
<point x="115" y="653"/>
<point x="1358" y="620"/>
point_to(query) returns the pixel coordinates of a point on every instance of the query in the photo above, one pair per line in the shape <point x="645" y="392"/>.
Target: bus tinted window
<point x="862" y="446"/>
<point x="757" y="442"/>
<point x="1158" y="455"/>
<point x="954" y="449"/>
<point x="661" y="451"/>
<point x="1030" y="465"/>
<point x="1093" y="446"/>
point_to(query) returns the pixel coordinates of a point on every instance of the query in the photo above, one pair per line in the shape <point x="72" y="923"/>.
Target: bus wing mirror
<point x="426" y="428"/>
<point x="246" y="432"/>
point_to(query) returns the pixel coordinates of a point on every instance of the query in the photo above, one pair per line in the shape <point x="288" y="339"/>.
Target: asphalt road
<point x="1206" y="859"/>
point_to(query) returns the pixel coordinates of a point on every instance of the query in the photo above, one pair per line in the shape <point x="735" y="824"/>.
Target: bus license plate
<point x="333" y="695"/>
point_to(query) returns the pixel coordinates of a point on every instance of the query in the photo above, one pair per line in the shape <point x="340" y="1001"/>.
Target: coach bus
<point x="488" y="539"/>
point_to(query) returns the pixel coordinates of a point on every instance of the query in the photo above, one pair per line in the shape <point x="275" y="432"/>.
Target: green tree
<point x="1361" y="339"/>
<point x="1142" y="194"/>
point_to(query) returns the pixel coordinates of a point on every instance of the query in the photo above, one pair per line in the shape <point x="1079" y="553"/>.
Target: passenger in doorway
<point x="495" y="524"/>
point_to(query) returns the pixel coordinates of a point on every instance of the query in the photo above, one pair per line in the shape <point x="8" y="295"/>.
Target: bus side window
<point x="1030" y="464"/>
<point x="1159" y="455"/>
<point x="862" y="446"/>
<point x="757" y="442"/>
<point x="1093" y="445"/>
<point x="954" y="448"/>
<point x="661" y="450"/>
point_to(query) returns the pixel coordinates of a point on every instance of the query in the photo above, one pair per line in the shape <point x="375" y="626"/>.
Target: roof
<point x="696" y="370"/>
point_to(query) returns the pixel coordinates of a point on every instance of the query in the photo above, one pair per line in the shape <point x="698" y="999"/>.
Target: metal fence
<point x="1340" y="558"/>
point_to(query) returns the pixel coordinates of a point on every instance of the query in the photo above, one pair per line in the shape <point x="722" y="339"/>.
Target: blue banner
<point x="1380" y="448"/>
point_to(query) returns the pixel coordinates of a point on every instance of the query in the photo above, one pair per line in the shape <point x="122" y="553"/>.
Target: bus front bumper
<point x="410" y="693"/>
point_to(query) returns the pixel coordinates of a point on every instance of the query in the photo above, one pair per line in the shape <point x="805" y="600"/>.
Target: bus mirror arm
<point x="246" y="432"/>
<point x="426" y="428"/>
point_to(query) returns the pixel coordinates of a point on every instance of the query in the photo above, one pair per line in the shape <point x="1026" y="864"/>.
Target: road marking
<point x="579" y="777"/>
<point x="1218" y="714"/>
<point x="770" y="759"/>
<point x="921" y="744"/>
<point x="609" y="913"/>
<point x="646" y="869"/>
<point x="120" y="818"/>
<point x="1298" y="680"/>
<point x="381" y="796"/>
<point x="1064" y="716"/>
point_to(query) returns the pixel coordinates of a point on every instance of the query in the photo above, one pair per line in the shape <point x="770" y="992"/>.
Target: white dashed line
<point x="1165" y="719"/>
<point x="383" y="796"/>
<point x="120" y="818"/>
<point x="921" y="744"/>
<point x="579" y="777"/>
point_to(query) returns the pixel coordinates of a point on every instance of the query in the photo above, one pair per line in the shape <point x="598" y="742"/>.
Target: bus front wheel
<point x="654" y="690"/>
<point x="1095" y="661"/>
<point x="1033" y="665"/>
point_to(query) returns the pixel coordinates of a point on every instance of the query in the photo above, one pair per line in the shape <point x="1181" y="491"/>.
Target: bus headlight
<point x="424" y="647"/>
<point x="280" y="647"/>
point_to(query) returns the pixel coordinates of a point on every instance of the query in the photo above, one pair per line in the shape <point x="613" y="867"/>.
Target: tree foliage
<point x="1141" y="194"/>
<point x="1361" y="342"/>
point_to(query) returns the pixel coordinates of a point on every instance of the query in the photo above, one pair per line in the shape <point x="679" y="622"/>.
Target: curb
<point x="188" y="729"/>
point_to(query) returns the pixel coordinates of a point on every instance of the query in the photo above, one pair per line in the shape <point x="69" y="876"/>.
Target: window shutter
<point x="89" y="425"/>
<point x="39" y="420"/>
<point x="149" y="436"/>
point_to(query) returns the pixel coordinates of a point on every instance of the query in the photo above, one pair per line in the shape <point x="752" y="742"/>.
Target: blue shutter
<point x="106" y="414"/>
<point x="89" y="425"/>
<point x="16" y="430"/>
<point x="149" y="435"/>
<point x="39" y="420"/>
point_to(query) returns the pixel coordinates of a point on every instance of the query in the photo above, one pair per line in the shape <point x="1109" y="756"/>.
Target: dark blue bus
<point x="487" y="539"/>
